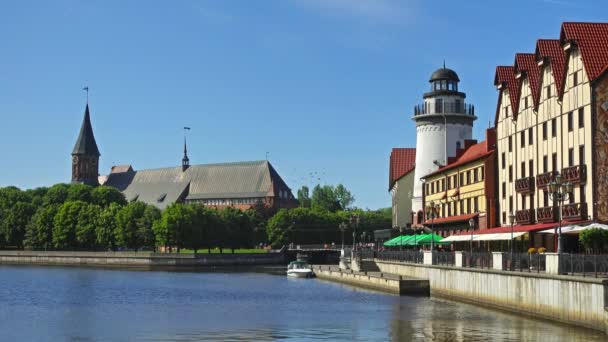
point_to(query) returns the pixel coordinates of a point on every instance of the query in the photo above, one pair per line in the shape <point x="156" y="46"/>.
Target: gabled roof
<point x="402" y="162"/>
<point x="505" y="76"/>
<point x="551" y="49"/>
<point x="121" y="168"/>
<point x="475" y="152"/>
<point x="592" y="40"/>
<point x="526" y="63"/>
<point x="161" y="187"/>
<point x="85" y="144"/>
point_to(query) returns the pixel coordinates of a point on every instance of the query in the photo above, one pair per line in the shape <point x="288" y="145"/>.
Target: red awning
<point x="451" y="219"/>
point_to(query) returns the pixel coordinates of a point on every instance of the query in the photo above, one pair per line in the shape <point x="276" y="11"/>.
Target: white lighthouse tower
<point x="443" y="123"/>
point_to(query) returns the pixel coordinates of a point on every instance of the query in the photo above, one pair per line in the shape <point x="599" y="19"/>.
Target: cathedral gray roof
<point x="85" y="144"/>
<point x="161" y="187"/>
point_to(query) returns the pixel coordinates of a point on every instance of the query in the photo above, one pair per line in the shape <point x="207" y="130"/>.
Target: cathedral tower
<point x="443" y="123"/>
<point x="85" y="156"/>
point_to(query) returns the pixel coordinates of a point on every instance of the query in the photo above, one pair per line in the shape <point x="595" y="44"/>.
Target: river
<point x="87" y="304"/>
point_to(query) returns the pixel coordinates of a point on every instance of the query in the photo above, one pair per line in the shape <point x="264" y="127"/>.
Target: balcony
<point x="546" y="214"/>
<point x="525" y="216"/>
<point x="543" y="180"/>
<point x="444" y="108"/>
<point x="575" y="174"/>
<point x="524" y="185"/>
<point x="574" y="211"/>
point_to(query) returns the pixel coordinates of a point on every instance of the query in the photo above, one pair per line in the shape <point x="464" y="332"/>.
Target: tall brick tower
<point x="85" y="156"/>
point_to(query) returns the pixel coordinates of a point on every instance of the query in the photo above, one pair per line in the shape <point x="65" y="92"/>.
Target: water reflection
<point x="57" y="304"/>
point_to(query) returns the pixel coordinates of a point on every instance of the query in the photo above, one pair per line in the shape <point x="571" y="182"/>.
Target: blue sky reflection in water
<point x="76" y="304"/>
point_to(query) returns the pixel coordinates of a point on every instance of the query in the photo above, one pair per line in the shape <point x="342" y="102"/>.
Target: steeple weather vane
<point x="86" y="88"/>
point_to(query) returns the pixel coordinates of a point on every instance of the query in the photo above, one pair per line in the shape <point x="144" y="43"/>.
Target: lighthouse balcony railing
<point x="444" y="108"/>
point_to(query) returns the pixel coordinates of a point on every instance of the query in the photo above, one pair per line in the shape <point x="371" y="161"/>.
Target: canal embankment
<point x="139" y="259"/>
<point x="574" y="300"/>
<point x="382" y="281"/>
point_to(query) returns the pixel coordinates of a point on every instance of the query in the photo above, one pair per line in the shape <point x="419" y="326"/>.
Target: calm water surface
<point x="82" y="304"/>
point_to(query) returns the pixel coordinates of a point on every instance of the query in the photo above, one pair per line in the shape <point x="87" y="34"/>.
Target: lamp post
<point x="560" y="191"/>
<point x="354" y="222"/>
<point x="343" y="226"/>
<point x="431" y="211"/>
<point x="363" y="237"/>
<point x="400" y="238"/>
<point x="472" y="226"/>
<point x="511" y="222"/>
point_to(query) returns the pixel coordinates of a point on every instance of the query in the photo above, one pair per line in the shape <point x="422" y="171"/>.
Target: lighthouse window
<point x="438" y="106"/>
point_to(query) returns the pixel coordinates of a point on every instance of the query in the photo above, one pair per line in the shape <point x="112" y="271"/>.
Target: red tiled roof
<point x="526" y="62"/>
<point x="474" y="152"/>
<point x="506" y="75"/>
<point x="552" y="50"/>
<point x="402" y="162"/>
<point x="451" y="219"/>
<point x="592" y="40"/>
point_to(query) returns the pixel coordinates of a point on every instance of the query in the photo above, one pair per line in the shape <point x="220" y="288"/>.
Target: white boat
<point x="300" y="269"/>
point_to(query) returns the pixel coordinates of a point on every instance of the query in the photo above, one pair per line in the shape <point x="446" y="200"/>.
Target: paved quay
<point x="382" y="281"/>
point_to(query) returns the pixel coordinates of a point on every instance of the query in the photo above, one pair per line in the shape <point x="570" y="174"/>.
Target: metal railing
<point x="365" y="254"/>
<point x="586" y="265"/>
<point x="414" y="257"/>
<point x="444" y="258"/>
<point x="478" y="260"/>
<point x="524" y="262"/>
<point x="444" y="108"/>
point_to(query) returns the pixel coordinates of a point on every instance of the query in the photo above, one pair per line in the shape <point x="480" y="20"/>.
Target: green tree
<point x="65" y="224"/>
<point x="279" y="228"/>
<point x="344" y="197"/>
<point x="80" y="192"/>
<point x="173" y="227"/>
<point x="104" y="233"/>
<point x="57" y="194"/>
<point x="39" y="232"/>
<point x="86" y="227"/>
<point x="129" y="222"/>
<point x="145" y="233"/>
<point x="237" y="229"/>
<point x="304" y="197"/>
<point x="106" y="195"/>
<point x="324" y="198"/>
<point x="15" y="220"/>
<point x="595" y="240"/>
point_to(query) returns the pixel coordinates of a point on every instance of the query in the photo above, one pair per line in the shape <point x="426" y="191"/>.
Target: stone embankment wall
<point x="568" y="299"/>
<point x="137" y="259"/>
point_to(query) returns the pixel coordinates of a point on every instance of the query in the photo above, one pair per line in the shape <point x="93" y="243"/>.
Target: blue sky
<point x="325" y="86"/>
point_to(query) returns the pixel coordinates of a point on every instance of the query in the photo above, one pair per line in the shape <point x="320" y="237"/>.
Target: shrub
<point x="542" y="250"/>
<point x="531" y="250"/>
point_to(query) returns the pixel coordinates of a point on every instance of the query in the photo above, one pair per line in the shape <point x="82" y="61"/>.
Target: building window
<point x="545" y="198"/>
<point x="443" y="185"/>
<point x="545" y="130"/>
<point x="554" y="128"/>
<point x="581" y="155"/>
<point x="506" y="112"/>
<point x="570" y="123"/>
<point x="523" y="169"/>
<point x="523" y="138"/>
<point x="461" y="206"/>
<point x="583" y="198"/>
<point x="469" y="206"/>
<point x="581" y="117"/>
<point x="469" y="177"/>
<point x="548" y="91"/>
<point x="531" y="168"/>
<point x="475" y="175"/>
<point x="476" y="204"/>
<point x="449" y="209"/>
<point x="531" y="201"/>
<point x="510" y="173"/>
<point x="481" y="173"/>
<point x="504" y="217"/>
<point x="510" y="143"/>
<point x="504" y="190"/>
<point x="438" y="106"/>
<point x="526" y="102"/>
<point x="530" y="136"/>
<point x="571" y="157"/>
<point x="503" y="159"/>
<point x="554" y="161"/>
<point x="545" y="162"/>
<point x="462" y="179"/>
<point x="511" y="203"/>
<point x="575" y="79"/>
<point x="523" y="201"/>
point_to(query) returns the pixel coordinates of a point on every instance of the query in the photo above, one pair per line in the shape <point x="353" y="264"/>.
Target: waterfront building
<point x="464" y="189"/>
<point x="238" y="184"/>
<point x="443" y="123"/>
<point x="401" y="184"/>
<point x="552" y="118"/>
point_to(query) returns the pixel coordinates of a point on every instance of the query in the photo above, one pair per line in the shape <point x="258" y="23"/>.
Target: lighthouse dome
<point x="444" y="74"/>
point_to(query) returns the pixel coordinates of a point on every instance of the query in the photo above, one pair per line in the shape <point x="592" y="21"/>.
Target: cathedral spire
<point x="85" y="156"/>
<point x="185" y="160"/>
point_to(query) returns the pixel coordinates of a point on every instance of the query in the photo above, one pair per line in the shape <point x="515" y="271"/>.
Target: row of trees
<point x="81" y="217"/>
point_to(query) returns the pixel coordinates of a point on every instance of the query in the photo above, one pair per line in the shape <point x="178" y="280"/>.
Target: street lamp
<point x="354" y="221"/>
<point x="511" y="222"/>
<point x="363" y="237"/>
<point x="472" y="226"/>
<point x="560" y="191"/>
<point x="342" y="227"/>
<point x="432" y="210"/>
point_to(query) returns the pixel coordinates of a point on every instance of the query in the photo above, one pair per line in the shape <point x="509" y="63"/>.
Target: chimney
<point x="490" y="138"/>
